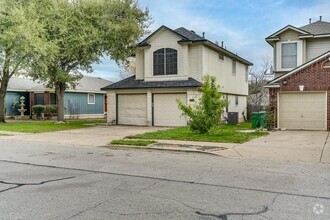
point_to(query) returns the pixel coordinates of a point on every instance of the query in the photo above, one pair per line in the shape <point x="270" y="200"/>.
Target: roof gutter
<point x="230" y="54"/>
<point x="272" y="86"/>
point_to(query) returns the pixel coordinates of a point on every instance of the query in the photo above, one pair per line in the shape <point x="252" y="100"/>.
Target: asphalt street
<point x="48" y="181"/>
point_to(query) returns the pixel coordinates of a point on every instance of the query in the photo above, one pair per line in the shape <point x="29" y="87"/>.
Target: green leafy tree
<point x="21" y="42"/>
<point x="81" y="32"/>
<point x="207" y="112"/>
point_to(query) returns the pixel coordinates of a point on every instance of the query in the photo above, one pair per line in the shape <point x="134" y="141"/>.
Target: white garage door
<point x="166" y="111"/>
<point x="305" y="110"/>
<point x="132" y="109"/>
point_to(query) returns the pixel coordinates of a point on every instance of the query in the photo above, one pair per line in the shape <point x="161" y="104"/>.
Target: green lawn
<point x="224" y="134"/>
<point x="45" y="126"/>
<point x="133" y="142"/>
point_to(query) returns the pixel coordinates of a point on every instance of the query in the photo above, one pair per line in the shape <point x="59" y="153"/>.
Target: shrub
<point x="269" y="119"/>
<point x="51" y="109"/>
<point x="207" y="112"/>
<point x="38" y="110"/>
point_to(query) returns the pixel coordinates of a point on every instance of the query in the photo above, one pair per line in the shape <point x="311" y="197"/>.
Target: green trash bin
<point x="255" y="119"/>
<point x="262" y="119"/>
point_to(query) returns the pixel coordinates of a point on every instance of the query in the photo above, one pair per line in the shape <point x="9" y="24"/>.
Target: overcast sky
<point x="241" y="24"/>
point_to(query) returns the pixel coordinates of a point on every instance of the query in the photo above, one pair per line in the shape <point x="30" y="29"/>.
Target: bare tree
<point x="127" y="68"/>
<point x="258" y="77"/>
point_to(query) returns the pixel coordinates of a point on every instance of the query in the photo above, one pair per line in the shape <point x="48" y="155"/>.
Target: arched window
<point x="165" y="62"/>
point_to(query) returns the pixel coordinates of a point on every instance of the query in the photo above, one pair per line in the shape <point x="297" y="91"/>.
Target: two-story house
<point x="170" y="65"/>
<point x="300" y="92"/>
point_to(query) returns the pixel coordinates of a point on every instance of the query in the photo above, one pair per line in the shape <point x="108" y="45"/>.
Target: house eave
<point x="226" y="52"/>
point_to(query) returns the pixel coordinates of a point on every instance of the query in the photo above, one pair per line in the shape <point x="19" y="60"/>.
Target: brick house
<point x="300" y="93"/>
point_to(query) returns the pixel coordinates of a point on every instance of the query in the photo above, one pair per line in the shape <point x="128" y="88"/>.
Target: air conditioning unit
<point x="233" y="118"/>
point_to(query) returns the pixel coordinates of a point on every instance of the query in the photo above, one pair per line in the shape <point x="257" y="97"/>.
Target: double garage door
<point x="303" y="111"/>
<point x="132" y="109"/>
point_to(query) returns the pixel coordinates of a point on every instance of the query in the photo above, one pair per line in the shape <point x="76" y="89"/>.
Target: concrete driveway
<point x="305" y="146"/>
<point x="93" y="136"/>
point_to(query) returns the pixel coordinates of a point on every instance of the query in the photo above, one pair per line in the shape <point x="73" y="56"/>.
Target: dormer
<point x="294" y="46"/>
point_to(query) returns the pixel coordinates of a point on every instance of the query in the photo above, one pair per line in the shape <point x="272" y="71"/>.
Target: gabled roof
<point x="317" y="28"/>
<point x="288" y="27"/>
<point x="85" y="84"/>
<point x="192" y="37"/>
<point x="132" y="83"/>
<point x="277" y="79"/>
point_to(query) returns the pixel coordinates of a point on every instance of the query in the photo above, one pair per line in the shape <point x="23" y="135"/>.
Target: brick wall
<point x="314" y="78"/>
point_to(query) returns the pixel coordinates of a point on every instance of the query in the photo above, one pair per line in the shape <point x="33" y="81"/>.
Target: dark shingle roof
<point x="318" y="27"/>
<point x="190" y="35"/>
<point x="132" y="83"/>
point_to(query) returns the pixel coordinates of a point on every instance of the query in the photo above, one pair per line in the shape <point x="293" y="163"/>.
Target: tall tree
<point x="21" y="42"/>
<point x="258" y="78"/>
<point x="82" y="31"/>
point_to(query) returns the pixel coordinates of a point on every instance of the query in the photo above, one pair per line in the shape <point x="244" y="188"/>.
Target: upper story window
<point x="165" y="62"/>
<point x="221" y="57"/>
<point x="234" y="68"/>
<point x="289" y="55"/>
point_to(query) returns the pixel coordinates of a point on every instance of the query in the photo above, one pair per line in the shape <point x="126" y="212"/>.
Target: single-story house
<point x="86" y="100"/>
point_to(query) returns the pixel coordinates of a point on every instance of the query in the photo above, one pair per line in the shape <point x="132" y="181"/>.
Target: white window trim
<point x="279" y="54"/>
<point x="90" y="94"/>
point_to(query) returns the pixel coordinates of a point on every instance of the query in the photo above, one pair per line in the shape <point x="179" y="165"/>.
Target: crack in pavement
<point x="171" y="199"/>
<point x="170" y="180"/>
<point x="224" y="216"/>
<point x="140" y="213"/>
<point x="87" y="209"/>
<point x="31" y="184"/>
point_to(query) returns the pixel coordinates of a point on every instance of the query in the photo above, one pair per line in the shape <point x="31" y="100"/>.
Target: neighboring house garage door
<point x="166" y="111"/>
<point x="132" y="109"/>
<point x="305" y="110"/>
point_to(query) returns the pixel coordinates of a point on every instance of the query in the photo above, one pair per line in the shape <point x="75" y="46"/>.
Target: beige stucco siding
<point x="316" y="47"/>
<point x="166" y="39"/>
<point x="241" y="107"/>
<point x="194" y="61"/>
<point x="289" y="35"/>
<point x="222" y="70"/>
<point x="139" y="64"/>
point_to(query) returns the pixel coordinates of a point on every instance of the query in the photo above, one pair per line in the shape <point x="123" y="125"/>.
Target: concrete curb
<point x="125" y="147"/>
